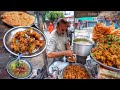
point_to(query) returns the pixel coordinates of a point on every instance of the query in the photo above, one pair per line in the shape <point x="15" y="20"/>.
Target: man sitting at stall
<point x="58" y="45"/>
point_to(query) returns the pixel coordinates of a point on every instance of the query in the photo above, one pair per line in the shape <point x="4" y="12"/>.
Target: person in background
<point x="58" y="44"/>
<point x="112" y="22"/>
<point x="70" y="31"/>
<point x="50" y="27"/>
<point x="81" y="26"/>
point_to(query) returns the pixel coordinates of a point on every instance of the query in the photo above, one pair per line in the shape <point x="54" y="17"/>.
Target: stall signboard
<point x="78" y="14"/>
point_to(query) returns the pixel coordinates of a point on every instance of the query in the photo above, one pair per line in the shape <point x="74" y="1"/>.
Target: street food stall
<point x="10" y="30"/>
<point x="23" y="50"/>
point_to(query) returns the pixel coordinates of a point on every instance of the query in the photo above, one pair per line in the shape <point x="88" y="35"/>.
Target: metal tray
<point x="10" y="33"/>
<point x="105" y="66"/>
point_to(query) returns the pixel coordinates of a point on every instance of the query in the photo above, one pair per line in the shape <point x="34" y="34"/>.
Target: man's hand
<point x="68" y="53"/>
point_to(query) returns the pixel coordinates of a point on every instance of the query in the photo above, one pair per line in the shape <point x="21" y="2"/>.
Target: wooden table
<point x="37" y="62"/>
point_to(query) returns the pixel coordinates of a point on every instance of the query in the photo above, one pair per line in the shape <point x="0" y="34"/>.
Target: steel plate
<point x="10" y="33"/>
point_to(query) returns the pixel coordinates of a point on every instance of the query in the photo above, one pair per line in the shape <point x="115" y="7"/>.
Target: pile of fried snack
<point x="101" y="30"/>
<point x="75" y="72"/>
<point x="107" y="50"/>
<point x="26" y="41"/>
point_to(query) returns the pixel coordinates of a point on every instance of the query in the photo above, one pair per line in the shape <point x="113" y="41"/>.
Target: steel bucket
<point x="82" y="49"/>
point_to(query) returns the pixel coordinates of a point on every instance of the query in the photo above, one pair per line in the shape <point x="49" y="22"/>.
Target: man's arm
<point x="51" y="50"/>
<point x="67" y="52"/>
<point x="60" y="53"/>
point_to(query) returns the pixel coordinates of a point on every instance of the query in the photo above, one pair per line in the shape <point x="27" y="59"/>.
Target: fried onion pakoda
<point x="116" y="32"/>
<point x="75" y="72"/>
<point x="26" y="41"/>
<point x="107" y="51"/>
<point x="100" y="30"/>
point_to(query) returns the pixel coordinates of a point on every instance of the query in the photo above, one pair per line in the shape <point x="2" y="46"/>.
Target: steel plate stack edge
<point x="104" y="73"/>
<point x="99" y="72"/>
<point x="55" y="72"/>
<point x="92" y="67"/>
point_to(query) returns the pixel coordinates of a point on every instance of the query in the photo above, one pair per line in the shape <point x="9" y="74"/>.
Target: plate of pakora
<point x="28" y="41"/>
<point x="107" y="52"/>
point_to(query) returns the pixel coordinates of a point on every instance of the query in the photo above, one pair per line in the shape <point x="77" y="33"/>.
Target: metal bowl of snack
<point x="18" y="18"/>
<point x="76" y="71"/>
<point x="103" y="65"/>
<point x="20" y="69"/>
<point x="28" y="41"/>
<point x="107" y="52"/>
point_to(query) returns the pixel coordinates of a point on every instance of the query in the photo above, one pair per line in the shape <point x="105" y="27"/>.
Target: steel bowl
<point x="82" y="49"/>
<point x="90" y="76"/>
<point x="103" y="65"/>
<point x="10" y="33"/>
<point x="25" y="61"/>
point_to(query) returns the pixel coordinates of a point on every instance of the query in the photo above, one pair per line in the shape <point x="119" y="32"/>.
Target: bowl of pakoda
<point x="107" y="52"/>
<point x="28" y="41"/>
<point x="76" y="71"/>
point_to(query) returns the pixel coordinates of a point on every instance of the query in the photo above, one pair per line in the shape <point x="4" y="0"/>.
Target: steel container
<point x="82" y="49"/>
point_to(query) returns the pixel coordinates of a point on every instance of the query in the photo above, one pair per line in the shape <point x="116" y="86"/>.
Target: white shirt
<point x="57" y="42"/>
